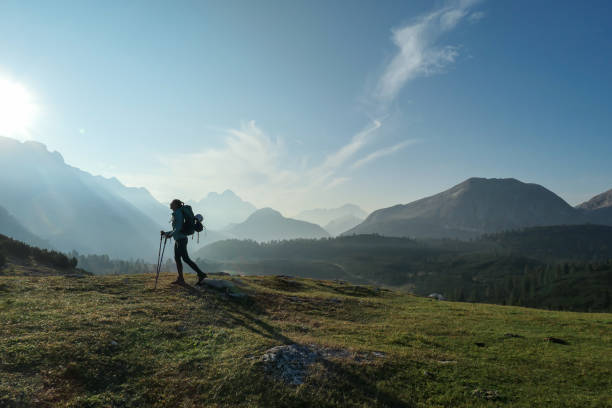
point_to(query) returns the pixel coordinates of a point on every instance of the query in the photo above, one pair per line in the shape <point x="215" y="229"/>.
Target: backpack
<point x="189" y="220"/>
<point x="191" y="223"/>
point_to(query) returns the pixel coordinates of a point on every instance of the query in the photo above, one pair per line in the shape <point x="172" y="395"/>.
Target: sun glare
<point x="17" y="109"/>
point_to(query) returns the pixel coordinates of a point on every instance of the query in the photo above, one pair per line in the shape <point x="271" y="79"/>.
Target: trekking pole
<point x="161" y="259"/>
<point x="161" y="237"/>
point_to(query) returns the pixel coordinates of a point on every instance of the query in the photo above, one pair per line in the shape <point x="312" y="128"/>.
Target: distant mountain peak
<point x="350" y="206"/>
<point x="223" y="209"/>
<point x="476" y="182"/>
<point x="324" y="216"/>
<point x="267" y="224"/>
<point x="341" y="224"/>
<point x="33" y="146"/>
<point x="56" y="198"/>
<point x="471" y="208"/>
<point x="266" y="212"/>
<point x="229" y="193"/>
<point x="602" y="200"/>
<point x="492" y="180"/>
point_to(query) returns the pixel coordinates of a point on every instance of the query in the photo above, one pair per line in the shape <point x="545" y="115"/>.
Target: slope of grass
<point x="114" y="341"/>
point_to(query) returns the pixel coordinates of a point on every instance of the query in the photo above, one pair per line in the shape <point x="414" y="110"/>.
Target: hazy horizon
<point x="299" y="210"/>
<point x="314" y="105"/>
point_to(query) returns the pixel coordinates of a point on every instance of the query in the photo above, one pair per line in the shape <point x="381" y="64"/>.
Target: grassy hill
<point x="101" y="341"/>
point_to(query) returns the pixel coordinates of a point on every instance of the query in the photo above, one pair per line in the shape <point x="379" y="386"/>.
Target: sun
<point x="17" y="109"/>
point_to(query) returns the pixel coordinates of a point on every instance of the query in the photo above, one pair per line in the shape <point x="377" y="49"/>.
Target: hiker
<point x="180" y="243"/>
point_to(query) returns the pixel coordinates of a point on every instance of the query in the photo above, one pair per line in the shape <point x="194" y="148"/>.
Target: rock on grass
<point x="290" y="362"/>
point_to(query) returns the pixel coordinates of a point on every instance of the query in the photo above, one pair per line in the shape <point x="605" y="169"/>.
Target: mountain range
<point x="338" y="225"/>
<point x="139" y="197"/>
<point x="600" y="201"/>
<point x="478" y="206"/>
<point x="68" y="207"/>
<point x="267" y="224"/>
<point x="324" y="216"/>
<point x="12" y="228"/>
<point x="221" y="210"/>
<point x="48" y="203"/>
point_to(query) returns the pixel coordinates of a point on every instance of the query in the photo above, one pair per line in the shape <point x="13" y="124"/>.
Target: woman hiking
<point x="180" y="243"/>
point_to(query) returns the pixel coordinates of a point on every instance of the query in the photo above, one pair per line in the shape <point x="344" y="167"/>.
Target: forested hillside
<point x="566" y="242"/>
<point x="564" y="267"/>
<point x="18" y="258"/>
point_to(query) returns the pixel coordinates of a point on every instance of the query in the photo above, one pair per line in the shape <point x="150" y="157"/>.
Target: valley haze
<point x="57" y="197"/>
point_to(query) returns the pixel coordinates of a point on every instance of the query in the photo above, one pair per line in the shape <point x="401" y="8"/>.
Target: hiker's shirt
<point x="177" y="225"/>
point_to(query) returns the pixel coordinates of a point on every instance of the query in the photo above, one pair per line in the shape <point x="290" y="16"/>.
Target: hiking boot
<point x="178" y="282"/>
<point x="201" y="280"/>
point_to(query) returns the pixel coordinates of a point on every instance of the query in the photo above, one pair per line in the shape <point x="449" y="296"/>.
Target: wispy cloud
<point x="336" y="182"/>
<point x="248" y="157"/>
<point x="476" y="16"/>
<point x="257" y="166"/>
<point x="382" y="153"/>
<point x="419" y="54"/>
<point x="260" y="167"/>
<point x="419" y="50"/>
<point x="337" y="159"/>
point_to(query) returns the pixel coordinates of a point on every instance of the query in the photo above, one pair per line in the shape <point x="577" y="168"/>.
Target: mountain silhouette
<point x="221" y="210"/>
<point x="598" y="210"/>
<point x="139" y="197"/>
<point x="339" y="225"/>
<point x="12" y="228"/>
<point x="67" y="207"/>
<point x="471" y="208"/>
<point x="603" y="200"/>
<point x="267" y="224"/>
<point x="324" y="216"/>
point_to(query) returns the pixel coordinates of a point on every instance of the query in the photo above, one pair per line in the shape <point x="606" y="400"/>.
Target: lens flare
<point x="17" y="109"/>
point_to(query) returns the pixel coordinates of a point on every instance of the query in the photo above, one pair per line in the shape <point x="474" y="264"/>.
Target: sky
<point x="309" y="104"/>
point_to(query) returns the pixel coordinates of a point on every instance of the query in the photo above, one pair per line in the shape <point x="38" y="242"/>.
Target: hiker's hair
<point x="177" y="202"/>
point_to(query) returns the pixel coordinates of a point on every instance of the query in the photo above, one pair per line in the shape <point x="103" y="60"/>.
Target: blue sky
<point x="308" y="104"/>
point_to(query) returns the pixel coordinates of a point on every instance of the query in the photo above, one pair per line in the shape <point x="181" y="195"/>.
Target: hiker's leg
<point x="189" y="262"/>
<point x="177" y="259"/>
<point x="194" y="266"/>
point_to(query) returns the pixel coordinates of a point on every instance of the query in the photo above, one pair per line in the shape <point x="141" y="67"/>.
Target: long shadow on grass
<point x="348" y="381"/>
<point x="355" y="383"/>
<point x="242" y="313"/>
